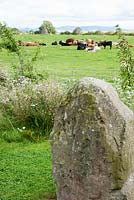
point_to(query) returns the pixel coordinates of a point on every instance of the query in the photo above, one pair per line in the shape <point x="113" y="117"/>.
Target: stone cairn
<point x="93" y="144"/>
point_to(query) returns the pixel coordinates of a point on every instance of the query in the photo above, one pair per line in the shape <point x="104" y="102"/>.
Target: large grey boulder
<point x="93" y="144"/>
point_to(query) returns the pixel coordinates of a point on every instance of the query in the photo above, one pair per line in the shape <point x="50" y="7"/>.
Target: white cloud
<point x="31" y="13"/>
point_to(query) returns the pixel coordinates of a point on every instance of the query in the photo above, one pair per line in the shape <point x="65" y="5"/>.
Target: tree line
<point x="48" y="28"/>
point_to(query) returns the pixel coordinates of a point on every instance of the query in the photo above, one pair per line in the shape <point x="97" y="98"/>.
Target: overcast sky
<point x="31" y="13"/>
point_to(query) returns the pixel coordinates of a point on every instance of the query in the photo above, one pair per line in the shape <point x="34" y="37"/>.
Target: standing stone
<point x="93" y="144"/>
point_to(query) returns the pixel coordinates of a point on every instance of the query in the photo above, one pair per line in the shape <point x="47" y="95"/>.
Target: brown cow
<point x="20" y="43"/>
<point x="70" y="41"/>
<point x="32" y="44"/>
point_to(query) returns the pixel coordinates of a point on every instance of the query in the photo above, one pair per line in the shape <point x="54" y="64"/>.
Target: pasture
<point x="25" y="171"/>
<point x="67" y="62"/>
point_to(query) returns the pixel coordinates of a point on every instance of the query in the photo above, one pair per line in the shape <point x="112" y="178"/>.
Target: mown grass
<point x="25" y="171"/>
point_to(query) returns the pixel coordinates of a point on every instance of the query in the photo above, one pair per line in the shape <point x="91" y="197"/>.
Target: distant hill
<point x="71" y="28"/>
<point x="86" y="28"/>
<point x="27" y="29"/>
<point x="83" y="28"/>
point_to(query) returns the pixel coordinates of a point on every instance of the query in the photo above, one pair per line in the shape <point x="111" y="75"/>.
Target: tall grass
<point x="28" y="107"/>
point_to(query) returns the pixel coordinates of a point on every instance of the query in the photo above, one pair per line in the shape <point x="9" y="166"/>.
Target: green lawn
<point x="25" y="171"/>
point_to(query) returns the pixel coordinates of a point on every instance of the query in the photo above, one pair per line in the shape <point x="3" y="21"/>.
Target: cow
<point x="20" y="43"/>
<point x="31" y="44"/>
<point x="54" y="43"/>
<point x="90" y="43"/>
<point x="42" y="44"/>
<point x="75" y="42"/>
<point x="105" y="43"/>
<point x="81" y="46"/>
<point x="70" y="41"/>
<point x="62" y="43"/>
<point x="91" y="49"/>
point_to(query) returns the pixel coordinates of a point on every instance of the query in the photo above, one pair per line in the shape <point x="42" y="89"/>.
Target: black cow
<point x="105" y="43"/>
<point x="54" y="43"/>
<point x="62" y="43"/>
<point x="81" y="46"/>
<point x="42" y="44"/>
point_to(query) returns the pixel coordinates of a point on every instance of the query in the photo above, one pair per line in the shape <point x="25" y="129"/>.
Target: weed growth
<point x="28" y="107"/>
<point x="126" y="62"/>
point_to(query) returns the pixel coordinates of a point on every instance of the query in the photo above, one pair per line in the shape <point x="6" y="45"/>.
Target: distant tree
<point x="109" y="33"/>
<point x="37" y="32"/>
<point x="77" y="31"/>
<point x="97" y="32"/>
<point x="15" y="31"/>
<point x="66" y="33"/>
<point x="47" y="28"/>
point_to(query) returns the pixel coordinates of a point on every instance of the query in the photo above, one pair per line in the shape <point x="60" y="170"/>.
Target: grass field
<point x="25" y="169"/>
<point x="66" y="62"/>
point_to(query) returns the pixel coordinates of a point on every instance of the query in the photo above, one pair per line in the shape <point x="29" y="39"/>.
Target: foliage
<point x="126" y="65"/>
<point x="8" y="40"/>
<point x="66" y="33"/>
<point x="98" y="32"/>
<point x="47" y="28"/>
<point x="77" y="31"/>
<point x="37" y="32"/>
<point x="126" y="61"/>
<point x="26" y="63"/>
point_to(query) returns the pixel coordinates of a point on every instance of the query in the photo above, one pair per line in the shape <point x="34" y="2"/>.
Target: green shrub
<point x="26" y="62"/>
<point x="126" y="61"/>
<point x="125" y="82"/>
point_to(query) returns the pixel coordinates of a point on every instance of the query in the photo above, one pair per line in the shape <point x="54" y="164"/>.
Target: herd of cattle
<point x="88" y="44"/>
